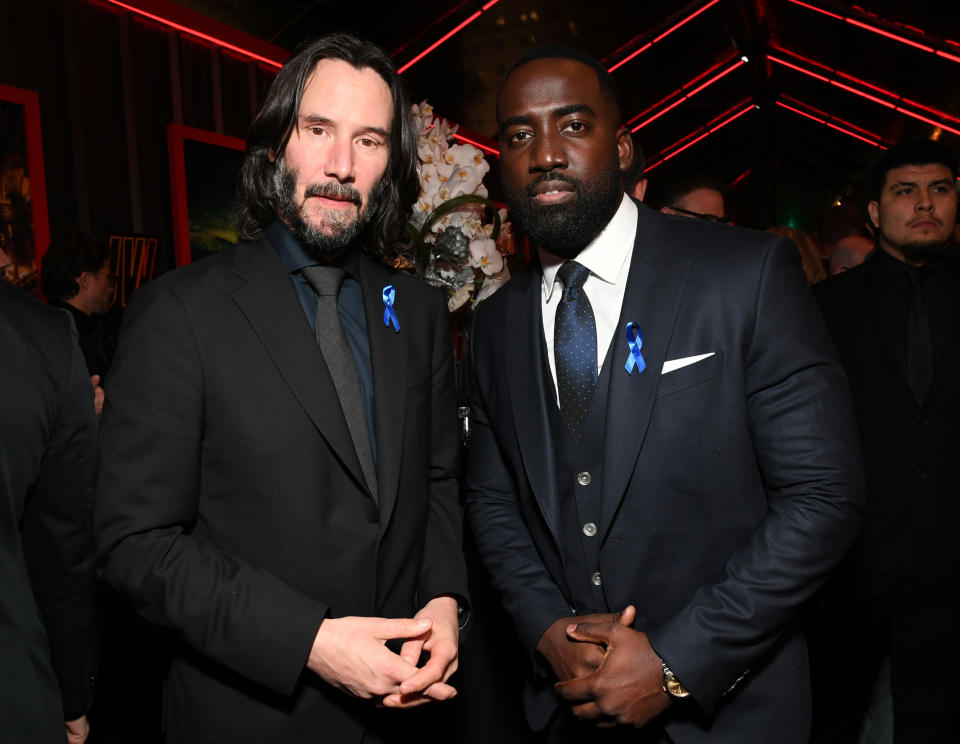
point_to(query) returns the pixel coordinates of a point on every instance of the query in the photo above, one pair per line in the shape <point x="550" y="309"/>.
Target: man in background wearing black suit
<point x="665" y="433"/>
<point x="279" y="447"/>
<point x="896" y="323"/>
<point x="48" y="438"/>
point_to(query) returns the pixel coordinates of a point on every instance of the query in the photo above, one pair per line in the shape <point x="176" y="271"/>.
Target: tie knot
<point x="326" y="280"/>
<point x="573" y="275"/>
<point x="917" y="276"/>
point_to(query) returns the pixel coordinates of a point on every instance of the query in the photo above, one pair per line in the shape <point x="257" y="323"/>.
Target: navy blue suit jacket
<point x="731" y="485"/>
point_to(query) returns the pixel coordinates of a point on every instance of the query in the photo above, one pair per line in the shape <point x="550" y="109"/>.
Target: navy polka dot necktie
<point x="575" y="346"/>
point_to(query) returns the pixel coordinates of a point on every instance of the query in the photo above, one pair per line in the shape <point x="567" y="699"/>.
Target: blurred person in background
<point x="809" y="251"/>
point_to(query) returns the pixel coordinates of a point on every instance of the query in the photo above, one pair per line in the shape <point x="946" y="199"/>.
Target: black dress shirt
<point x="349" y="306"/>
<point x="939" y="289"/>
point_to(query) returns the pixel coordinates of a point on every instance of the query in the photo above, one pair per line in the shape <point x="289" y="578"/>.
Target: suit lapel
<point x="269" y="303"/>
<point x="527" y="378"/>
<point x="388" y="354"/>
<point x="654" y="293"/>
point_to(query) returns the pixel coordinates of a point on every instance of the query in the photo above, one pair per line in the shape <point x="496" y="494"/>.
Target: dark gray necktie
<point x="326" y="280"/>
<point x="575" y="347"/>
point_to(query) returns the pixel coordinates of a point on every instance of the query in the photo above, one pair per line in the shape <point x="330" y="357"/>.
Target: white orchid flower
<point x="485" y="256"/>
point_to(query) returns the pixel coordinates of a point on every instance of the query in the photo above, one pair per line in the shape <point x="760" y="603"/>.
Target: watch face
<point x="675" y="688"/>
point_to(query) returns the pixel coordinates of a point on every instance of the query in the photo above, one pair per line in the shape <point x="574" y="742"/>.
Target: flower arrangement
<point x="454" y="227"/>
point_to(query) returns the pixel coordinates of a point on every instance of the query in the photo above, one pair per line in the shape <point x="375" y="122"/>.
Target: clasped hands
<point x="351" y="653"/>
<point x="607" y="671"/>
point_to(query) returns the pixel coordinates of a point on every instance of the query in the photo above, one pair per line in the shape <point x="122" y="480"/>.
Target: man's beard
<point x="337" y="232"/>
<point x="919" y="252"/>
<point x="566" y="229"/>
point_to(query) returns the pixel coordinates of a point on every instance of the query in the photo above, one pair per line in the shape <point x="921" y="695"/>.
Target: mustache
<point x="334" y="190"/>
<point x="555" y="176"/>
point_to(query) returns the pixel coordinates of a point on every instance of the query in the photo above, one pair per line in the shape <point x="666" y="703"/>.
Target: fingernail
<point x="423" y="622"/>
<point x="571" y="627"/>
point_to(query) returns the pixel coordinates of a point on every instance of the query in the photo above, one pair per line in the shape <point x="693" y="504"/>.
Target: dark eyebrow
<point x="513" y="121"/>
<point x="573" y="108"/>
<point x="311" y="120"/>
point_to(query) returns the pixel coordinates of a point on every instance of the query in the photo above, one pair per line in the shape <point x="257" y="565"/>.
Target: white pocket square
<point x="673" y="364"/>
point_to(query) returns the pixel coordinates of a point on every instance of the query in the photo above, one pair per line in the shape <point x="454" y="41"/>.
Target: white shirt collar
<point x="604" y="255"/>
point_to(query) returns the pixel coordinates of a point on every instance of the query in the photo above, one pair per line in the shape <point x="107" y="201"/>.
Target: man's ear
<point x="640" y="190"/>
<point x="84" y="281"/>
<point x="873" y="209"/>
<point x="624" y="149"/>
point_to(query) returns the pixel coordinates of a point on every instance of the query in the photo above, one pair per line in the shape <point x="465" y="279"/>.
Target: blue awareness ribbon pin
<point x="389" y="316"/>
<point x="634" y="342"/>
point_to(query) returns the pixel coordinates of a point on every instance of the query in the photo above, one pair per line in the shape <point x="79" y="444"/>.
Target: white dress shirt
<point x="608" y="258"/>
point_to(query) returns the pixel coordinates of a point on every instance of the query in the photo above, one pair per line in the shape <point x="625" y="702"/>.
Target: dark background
<point x="109" y="81"/>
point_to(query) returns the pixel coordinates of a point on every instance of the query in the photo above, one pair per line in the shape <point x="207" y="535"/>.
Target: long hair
<point x="275" y="122"/>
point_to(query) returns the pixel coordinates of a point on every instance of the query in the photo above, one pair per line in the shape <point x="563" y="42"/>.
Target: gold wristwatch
<point x="671" y="685"/>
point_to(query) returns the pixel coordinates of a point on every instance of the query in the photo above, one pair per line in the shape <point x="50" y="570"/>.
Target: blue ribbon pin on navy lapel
<point x="389" y="316"/>
<point x="634" y="342"/>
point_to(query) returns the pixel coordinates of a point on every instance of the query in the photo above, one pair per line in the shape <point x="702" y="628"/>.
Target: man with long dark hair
<point x="280" y="452"/>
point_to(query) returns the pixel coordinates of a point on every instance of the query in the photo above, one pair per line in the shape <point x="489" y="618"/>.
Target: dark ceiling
<point x="785" y="167"/>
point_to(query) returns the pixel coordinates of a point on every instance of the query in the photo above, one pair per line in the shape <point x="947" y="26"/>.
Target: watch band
<point x="671" y="685"/>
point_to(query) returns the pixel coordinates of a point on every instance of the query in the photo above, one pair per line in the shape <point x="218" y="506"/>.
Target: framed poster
<point x="204" y="168"/>
<point x="24" y="225"/>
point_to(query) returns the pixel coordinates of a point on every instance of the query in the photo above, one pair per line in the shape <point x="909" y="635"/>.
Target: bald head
<point x="849" y="252"/>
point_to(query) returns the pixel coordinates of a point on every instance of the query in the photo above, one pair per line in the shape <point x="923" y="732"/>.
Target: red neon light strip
<point x="853" y="134"/>
<point x="924" y="119"/>
<point x="880" y="31"/>
<point x="196" y="33"/>
<point x="743" y="175"/>
<point x="837" y="127"/>
<point x="798" y="68"/>
<point x="485" y="148"/>
<point x="716" y="77"/>
<point x="685" y="21"/>
<point x="707" y="131"/>
<point x="802" y="113"/>
<point x="663" y="100"/>
<point x="867" y="96"/>
<point x="687" y="96"/>
<point x="453" y="32"/>
<point x="889" y="35"/>
<point x="864" y="83"/>
<point x="637" y="53"/>
<point x="664" y="35"/>
<point x="862" y="94"/>
<point x="818" y="10"/>
<point x="831" y="117"/>
<point x="944" y="114"/>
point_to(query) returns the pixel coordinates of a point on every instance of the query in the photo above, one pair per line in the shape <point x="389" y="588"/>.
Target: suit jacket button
<point x="589" y="529"/>
<point x="583" y="478"/>
<point x="595" y="578"/>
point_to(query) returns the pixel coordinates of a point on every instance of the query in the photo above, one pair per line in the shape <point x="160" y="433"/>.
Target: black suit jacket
<point x="231" y="505"/>
<point x="730" y="485"/>
<point x="48" y="435"/>
<point x="910" y="449"/>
